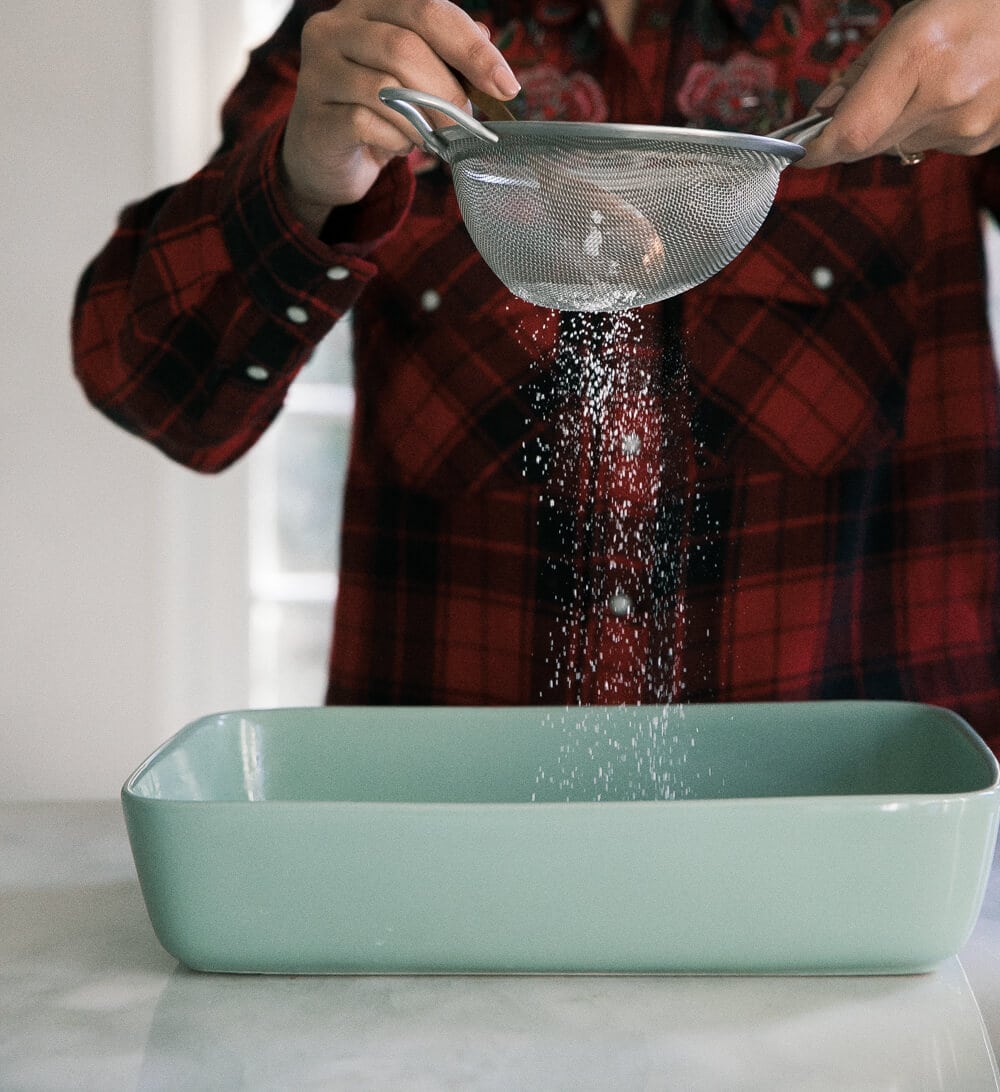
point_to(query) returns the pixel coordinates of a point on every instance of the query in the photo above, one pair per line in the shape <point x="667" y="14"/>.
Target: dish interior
<point x="506" y="756"/>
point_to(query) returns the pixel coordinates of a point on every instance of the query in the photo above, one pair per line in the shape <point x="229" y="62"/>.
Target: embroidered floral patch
<point x="740" y="94"/>
<point x="786" y="52"/>
<point x="547" y="94"/>
<point x="798" y="51"/>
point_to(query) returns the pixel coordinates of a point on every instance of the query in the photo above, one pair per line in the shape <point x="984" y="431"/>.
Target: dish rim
<point x="130" y="793"/>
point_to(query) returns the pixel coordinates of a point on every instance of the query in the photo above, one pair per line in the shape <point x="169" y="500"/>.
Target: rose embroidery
<point x="740" y="94"/>
<point x="548" y="94"/>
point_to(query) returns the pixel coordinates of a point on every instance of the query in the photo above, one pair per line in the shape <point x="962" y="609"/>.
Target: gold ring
<point x="909" y="159"/>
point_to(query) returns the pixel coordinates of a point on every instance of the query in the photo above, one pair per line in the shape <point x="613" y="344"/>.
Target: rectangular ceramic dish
<point x="834" y="837"/>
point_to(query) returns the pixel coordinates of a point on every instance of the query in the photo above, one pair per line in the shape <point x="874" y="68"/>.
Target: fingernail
<point x="484" y="30"/>
<point x="505" y="81"/>
<point x="830" y="96"/>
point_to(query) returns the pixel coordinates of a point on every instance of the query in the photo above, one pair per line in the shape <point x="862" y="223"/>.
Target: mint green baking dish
<point x="828" y="837"/>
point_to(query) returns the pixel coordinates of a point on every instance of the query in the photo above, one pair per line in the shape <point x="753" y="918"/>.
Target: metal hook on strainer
<point x="587" y="216"/>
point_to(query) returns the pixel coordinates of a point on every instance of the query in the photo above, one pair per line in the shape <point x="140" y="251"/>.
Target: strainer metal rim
<point x="615" y="133"/>
<point x="441" y="141"/>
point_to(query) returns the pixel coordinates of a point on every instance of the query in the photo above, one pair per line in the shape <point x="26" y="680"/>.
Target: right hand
<point x="929" y="81"/>
<point x="339" y="135"/>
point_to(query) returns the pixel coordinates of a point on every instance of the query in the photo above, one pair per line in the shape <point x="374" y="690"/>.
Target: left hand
<point x="929" y="81"/>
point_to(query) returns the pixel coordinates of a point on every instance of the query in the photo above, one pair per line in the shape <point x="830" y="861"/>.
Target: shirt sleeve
<point x="209" y="297"/>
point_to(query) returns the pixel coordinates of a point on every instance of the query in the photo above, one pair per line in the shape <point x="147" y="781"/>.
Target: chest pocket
<point x="446" y="359"/>
<point x="800" y="349"/>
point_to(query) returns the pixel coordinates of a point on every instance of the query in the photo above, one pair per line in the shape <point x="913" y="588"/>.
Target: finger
<point x="344" y="68"/>
<point x="874" y="112"/>
<point x="388" y="56"/>
<point x="390" y="136"/>
<point x="402" y="58"/>
<point x="455" y="37"/>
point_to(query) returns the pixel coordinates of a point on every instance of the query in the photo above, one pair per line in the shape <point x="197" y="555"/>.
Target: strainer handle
<point x="803" y="130"/>
<point x="408" y="103"/>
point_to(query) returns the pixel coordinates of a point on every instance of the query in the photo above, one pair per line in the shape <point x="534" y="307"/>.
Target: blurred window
<point x="295" y="491"/>
<point x="294" y="496"/>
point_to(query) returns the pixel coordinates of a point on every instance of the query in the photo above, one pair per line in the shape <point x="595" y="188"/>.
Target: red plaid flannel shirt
<point x="783" y="485"/>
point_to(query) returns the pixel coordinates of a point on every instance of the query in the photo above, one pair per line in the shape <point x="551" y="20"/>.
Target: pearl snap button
<point x="621" y="605"/>
<point x="430" y="300"/>
<point x="257" y="372"/>
<point x="822" y="277"/>
<point x="298" y="315"/>
<point x="338" y="273"/>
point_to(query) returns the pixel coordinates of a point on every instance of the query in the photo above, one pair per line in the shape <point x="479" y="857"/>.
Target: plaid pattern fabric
<point x="783" y="485"/>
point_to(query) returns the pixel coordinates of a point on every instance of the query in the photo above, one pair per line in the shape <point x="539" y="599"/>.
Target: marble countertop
<point x="89" y="1000"/>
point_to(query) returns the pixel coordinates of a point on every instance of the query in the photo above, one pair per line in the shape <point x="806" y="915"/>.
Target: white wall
<point x="96" y="664"/>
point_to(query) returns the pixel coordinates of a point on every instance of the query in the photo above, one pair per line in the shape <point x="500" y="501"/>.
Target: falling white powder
<point x="604" y="386"/>
<point x="617" y="753"/>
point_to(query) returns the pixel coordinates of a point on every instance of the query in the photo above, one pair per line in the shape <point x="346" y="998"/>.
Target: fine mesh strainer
<point x="585" y="216"/>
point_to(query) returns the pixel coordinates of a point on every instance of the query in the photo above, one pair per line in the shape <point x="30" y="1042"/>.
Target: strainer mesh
<point x="592" y="224"/>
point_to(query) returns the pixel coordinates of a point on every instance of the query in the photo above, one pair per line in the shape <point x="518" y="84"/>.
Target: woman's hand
<point x="339" y="136"/>
<point x="929" y="81"/>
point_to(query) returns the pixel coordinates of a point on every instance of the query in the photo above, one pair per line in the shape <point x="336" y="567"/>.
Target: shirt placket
<point x="635" y="73"/>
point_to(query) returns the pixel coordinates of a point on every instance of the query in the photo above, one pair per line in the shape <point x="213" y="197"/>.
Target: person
<point x="783" y="484"/>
